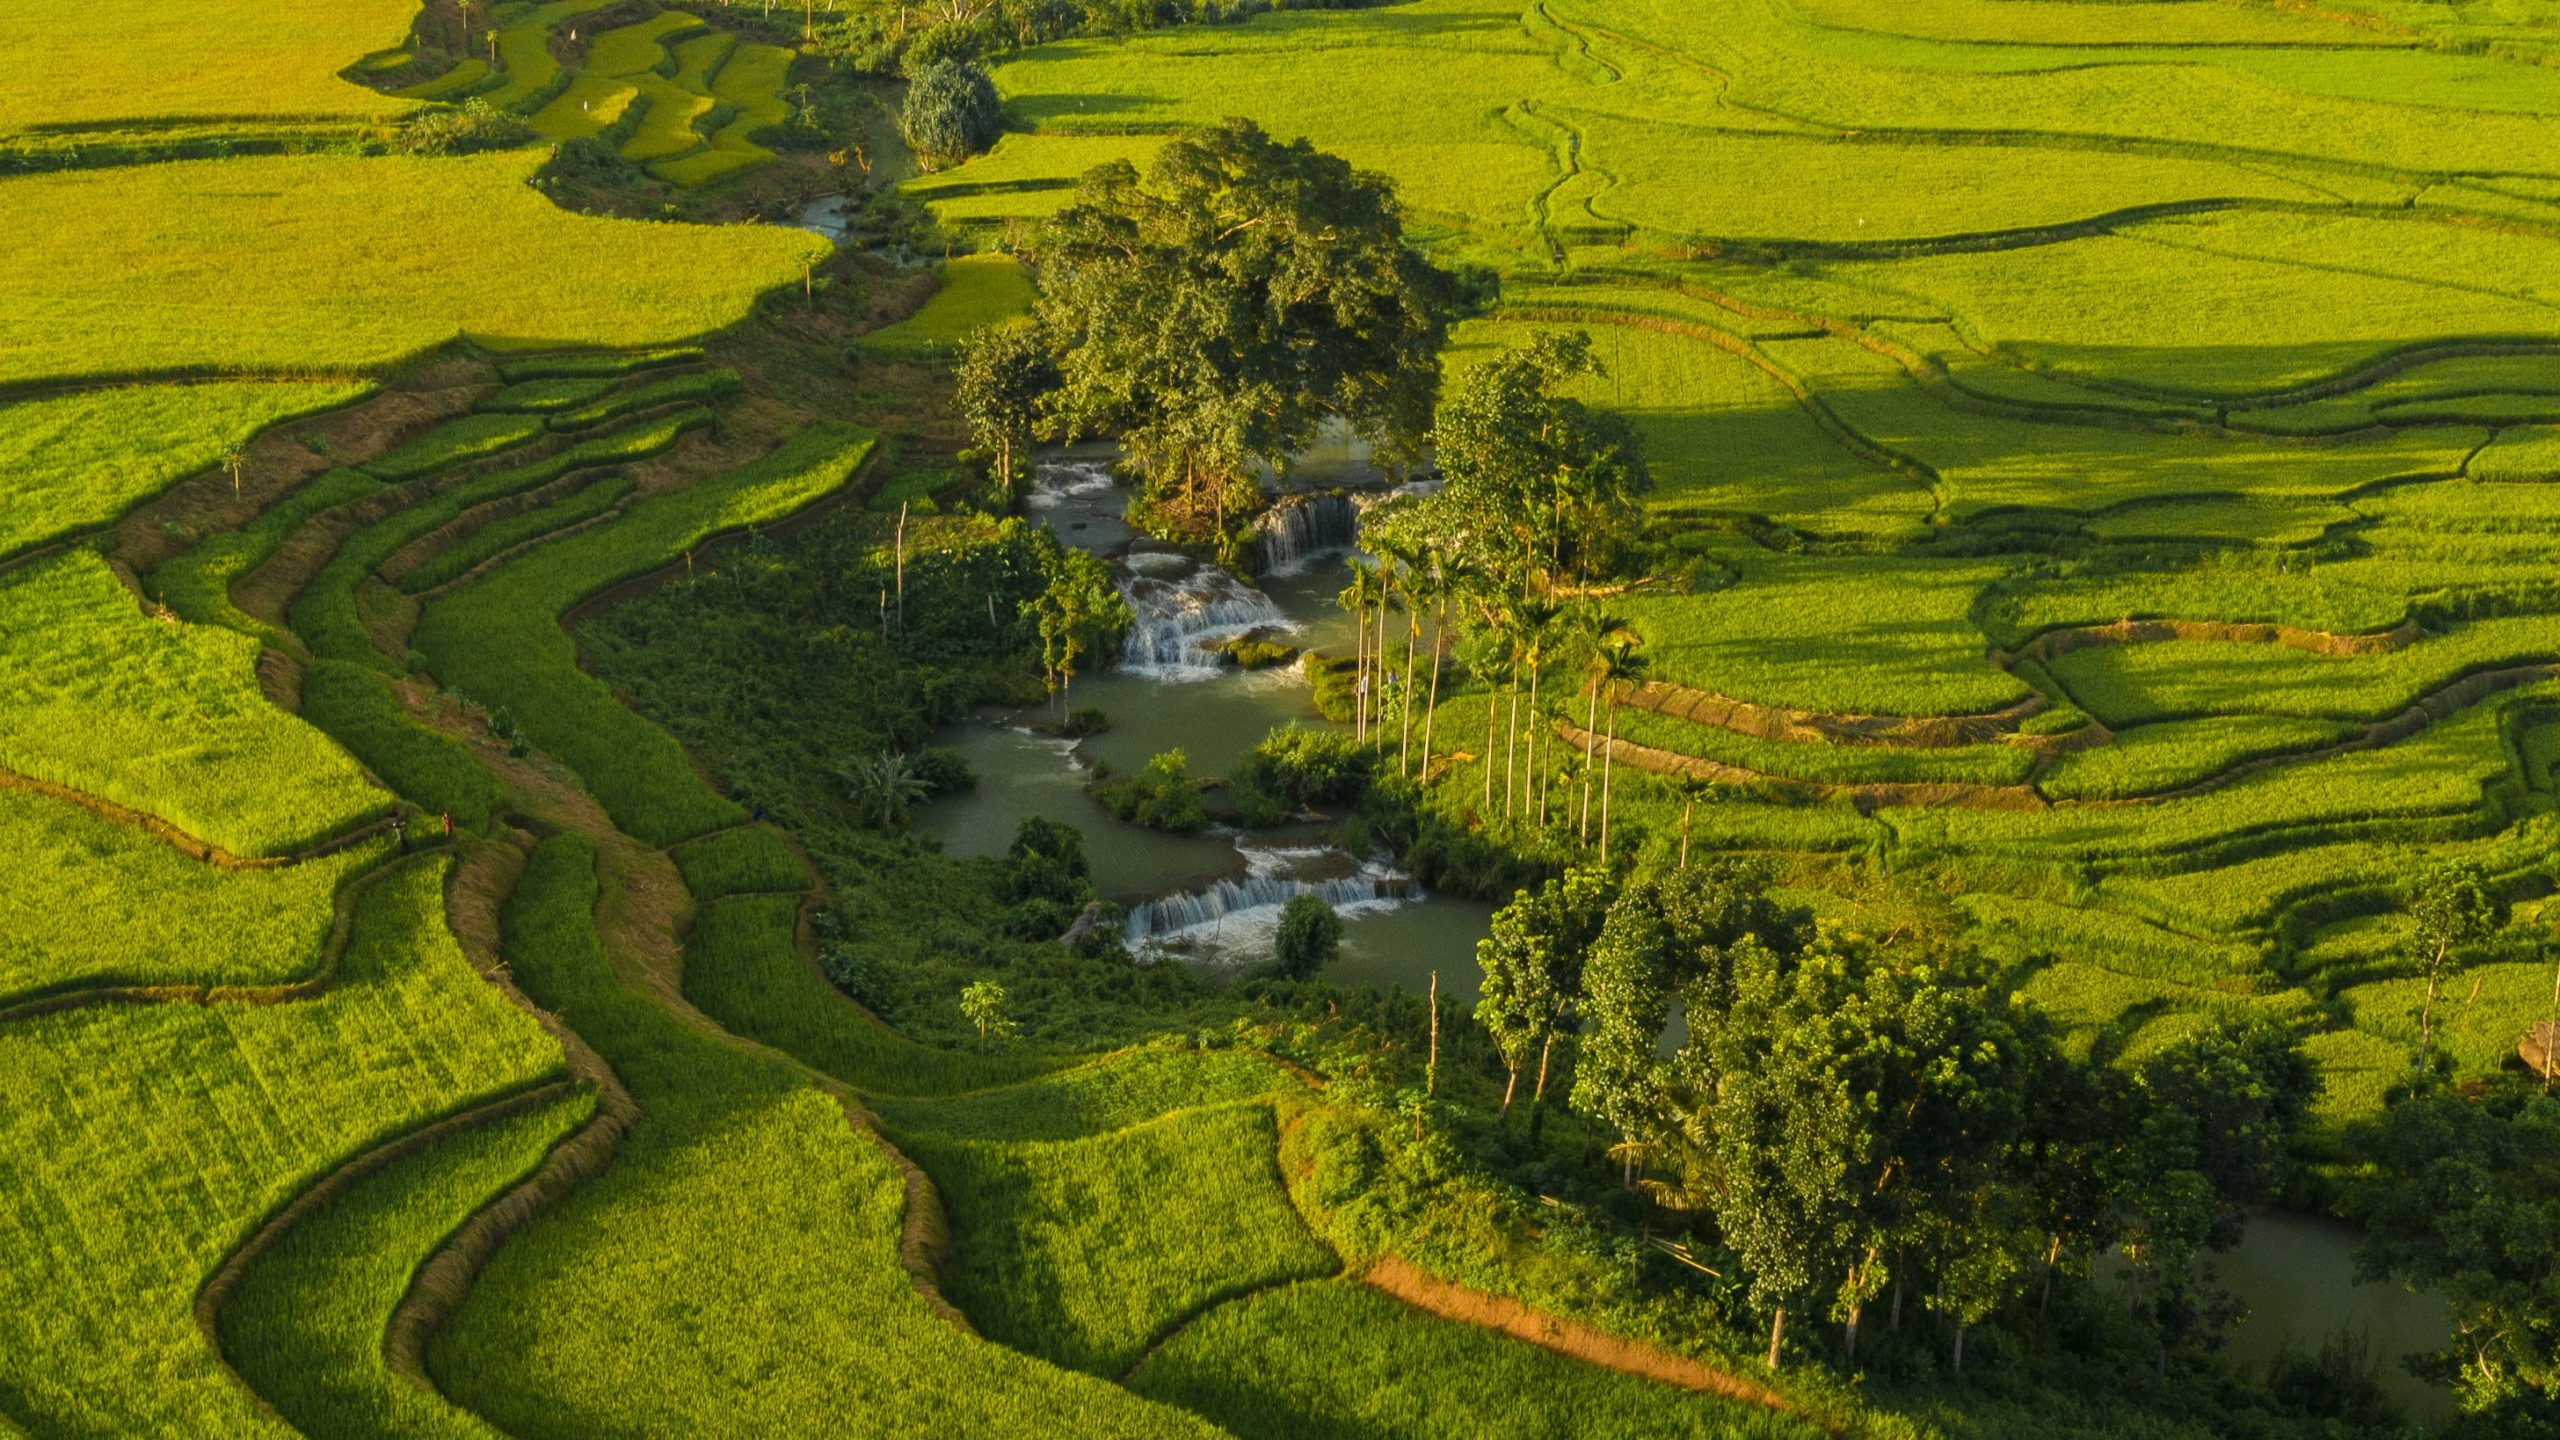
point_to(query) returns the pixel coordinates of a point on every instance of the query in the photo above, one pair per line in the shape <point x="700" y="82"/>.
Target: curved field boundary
<point x="1393" y="1276"/>
<point x="1772" y="722"/>
<point x="2054" y="644"/>
<point x="184" y="843"/>
<point x="332" y="951"/>
<point x="220" y="1286"/>
<point x="444" y="1278"/>
<point x="1866" y="796"/>
<point x="2443" y="704"/>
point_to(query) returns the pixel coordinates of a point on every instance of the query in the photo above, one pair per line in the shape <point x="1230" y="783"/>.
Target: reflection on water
<point x="2297" y="1276"/>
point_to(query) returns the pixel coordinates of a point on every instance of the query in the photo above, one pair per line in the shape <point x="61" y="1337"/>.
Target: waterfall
<point x="1061" y="482"/>
<point x="1301" y="527"/>
<point x="1243" y="914"/>
<point x="1180" y="610"/>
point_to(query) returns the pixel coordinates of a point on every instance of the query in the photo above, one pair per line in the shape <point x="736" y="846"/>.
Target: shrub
<point x="1295" y="767"/>
<point x="473" y="125"/>
<point x="952" y="111"/>
<point x="1309" y="937"/>
<point x="1163" y="796"/>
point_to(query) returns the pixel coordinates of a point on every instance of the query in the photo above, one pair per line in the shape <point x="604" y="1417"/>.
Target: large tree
<point x="1004" y="372"/>
<point x="1221" y="309"/>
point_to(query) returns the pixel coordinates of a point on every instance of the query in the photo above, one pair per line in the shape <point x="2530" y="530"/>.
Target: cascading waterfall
<point x="1059" y="482"/>
<point x="1181" y="610"/>
<point x="1244" y="913"/>
<point x="1298" y="528"/>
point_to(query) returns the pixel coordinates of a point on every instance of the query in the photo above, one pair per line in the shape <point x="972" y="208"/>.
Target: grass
<point x="161" y="718"/>
<point x="1335" y="1358"/>
<point x="76" y="462"/>
<point x="630" y="1307"/>
<point x="121" y="1221"/>
<point x="2151" y="758"/>
<point x="701" y="386"/>
<point x="750" y="860"/>
<point x="498" y="640"/>
<point x="305" y="1327"/>
<point x="1825" y="764"/>
<point x="542" y="397"/>
<point x="454" y="444"/>
<point x="355" y="262"/>
<point x="743" y="968"/>
<point x="499" y="536"/>
<point x="749" y="82"/>
<point x="976" y="291"/>
<point x="158" y="60"/>
<point x="326" y="614"/>
<point x="1853" y="635"/>
<point x="594" y="364"/>
<point x="1085" y="1252"/>
<point x="1111" y="1094"/>
<point x="196" y="583"/>
<point x="427" y="767"/>
<point x="2127" y="685"/>
<point x="91" y="902"/>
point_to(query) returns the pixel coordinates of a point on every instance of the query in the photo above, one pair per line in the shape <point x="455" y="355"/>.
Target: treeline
<point x="887" y="36"/>
<point x="1859" y="1122"/>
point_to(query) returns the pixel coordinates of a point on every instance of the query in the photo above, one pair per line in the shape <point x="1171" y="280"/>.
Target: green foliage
<point x="462" y="129"/>
<point x="1162" y="796"/>
<point x="500" y="536"/>
<point x="1295" y="767"/>
<point x="1224" y="308"/>
<point x="951" y="111"/>
<point x="696" y="387"/>
<point x="404" y="1034"/>
<point x="805" y="1271"/>
<point x="1309" y="937"/>
<point x="2460" y="1202"/>
<point x="1087" y="1251"/>
<point x="355" y="704"/>
<point x="305" y="1327"/>
<point x="196" y="584"/>
<point x="93" y="902"/>
<point x="1005" y="370"/>
<point x="1336" y="1358"/>
<point x="161" y="718"/>
<point x="327" y="614"/>
<point x="499" y="642"/>
<point x="743" y="968"/>
<point x="750" y="860"/>
<point x="408" y="239"/>
<point x="979" y="294"/>
<point x="78" y="461"/>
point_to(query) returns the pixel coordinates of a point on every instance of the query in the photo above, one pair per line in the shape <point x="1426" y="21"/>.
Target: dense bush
<point x="1309" y="937"/>
<point x="952" y="111"/>
<point x="1162" y="796"/>
<point x="460" y="130"/>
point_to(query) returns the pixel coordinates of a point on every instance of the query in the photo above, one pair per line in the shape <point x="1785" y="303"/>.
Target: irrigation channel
<point x="1210" y="899"/>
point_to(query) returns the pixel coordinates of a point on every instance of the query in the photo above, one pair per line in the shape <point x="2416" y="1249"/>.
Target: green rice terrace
<point x="1413" y="720"/>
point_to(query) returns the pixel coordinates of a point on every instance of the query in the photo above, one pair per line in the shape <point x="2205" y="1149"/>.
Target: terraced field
<point x="1961" y="333"/>
<point x="2106" y="460"/>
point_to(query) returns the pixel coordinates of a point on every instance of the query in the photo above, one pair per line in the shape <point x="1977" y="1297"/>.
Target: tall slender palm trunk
<point x="1511" y="746"/>
<point x="1412" y="641"/>
<point x="1590" y="726"/>
<point x="1439" y="634"/>
<point x="1608" y="755"/>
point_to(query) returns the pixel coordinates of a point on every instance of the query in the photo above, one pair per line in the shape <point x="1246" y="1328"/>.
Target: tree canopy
<point x="1221" y="309"/>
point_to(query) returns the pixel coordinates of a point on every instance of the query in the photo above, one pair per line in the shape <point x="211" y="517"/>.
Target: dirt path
<point x="1392" y="1275"/>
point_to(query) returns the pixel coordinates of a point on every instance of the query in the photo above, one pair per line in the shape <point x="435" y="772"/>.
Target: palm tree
<point x="1537" y="622"/>
<point x="1442" y="582"/>
<point x="894" y="782"/>
<point x="1498" y="622"/>
<point x="1355" y="598"/>
<point x="1620" y="663"/>
<point x="232" y="460"/>
<point x="1602" y="630"/>
<point x="1691" y="788"/>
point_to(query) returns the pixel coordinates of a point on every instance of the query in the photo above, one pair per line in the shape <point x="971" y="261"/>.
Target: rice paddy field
<point x="2107" y="471"/>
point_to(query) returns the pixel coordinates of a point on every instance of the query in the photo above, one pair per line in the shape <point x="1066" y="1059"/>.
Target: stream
<point x="1211" y="899"/>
